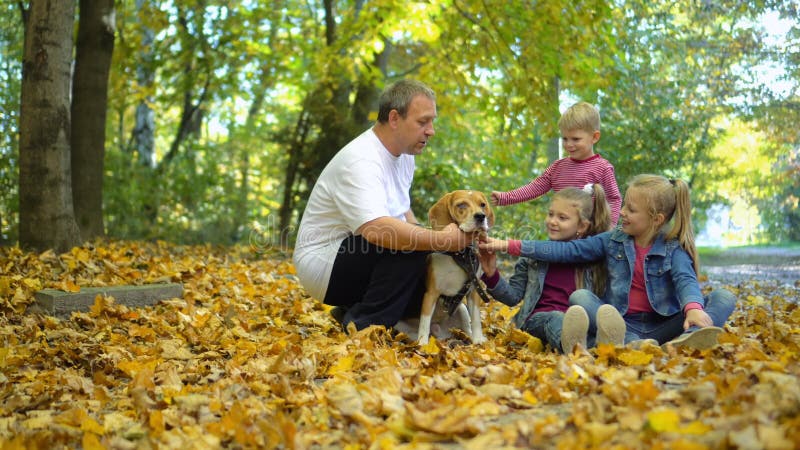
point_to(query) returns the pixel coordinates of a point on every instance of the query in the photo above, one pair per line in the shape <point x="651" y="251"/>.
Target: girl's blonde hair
<point x="592" y="207"/>
<point x="672" y="198"/>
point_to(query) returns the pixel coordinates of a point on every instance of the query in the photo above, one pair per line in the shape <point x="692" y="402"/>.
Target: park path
<point x="775" y="264"/>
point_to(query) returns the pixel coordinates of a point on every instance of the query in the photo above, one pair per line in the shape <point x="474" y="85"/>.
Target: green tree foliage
<point x="679" y="70"/>
<point x="777" y="119"/>
<point x="11" y="79"/>
<point x="251" y="99"/>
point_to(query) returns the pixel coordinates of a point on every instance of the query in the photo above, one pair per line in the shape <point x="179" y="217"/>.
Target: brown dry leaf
<point x="246" y="359"/>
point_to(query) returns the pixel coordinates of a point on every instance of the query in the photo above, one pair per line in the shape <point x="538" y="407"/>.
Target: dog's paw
<point x="480" y="339"/>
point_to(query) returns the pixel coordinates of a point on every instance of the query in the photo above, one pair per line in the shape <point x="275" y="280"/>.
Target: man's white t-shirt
<point x="361" y="183"/>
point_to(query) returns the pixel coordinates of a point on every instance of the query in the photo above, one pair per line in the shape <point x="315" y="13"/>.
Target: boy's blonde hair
<point x="672" y="198"/>
<point x="592" y="207"/>
<point x="580" y="116"/>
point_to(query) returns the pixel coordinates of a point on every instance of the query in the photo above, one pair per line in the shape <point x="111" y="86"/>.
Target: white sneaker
<point x="610" y="326"/>
<point x="701" y="339"/>
<point x="574" y="329"/>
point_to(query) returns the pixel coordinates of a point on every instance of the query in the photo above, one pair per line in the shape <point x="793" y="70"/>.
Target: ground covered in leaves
<point x="246" y="360"/>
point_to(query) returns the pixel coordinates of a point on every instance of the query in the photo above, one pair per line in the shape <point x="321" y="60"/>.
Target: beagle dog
<point x="453" y="276"/>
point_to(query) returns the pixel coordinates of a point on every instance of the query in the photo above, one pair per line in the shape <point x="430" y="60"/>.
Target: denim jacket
<point x="670" y="279"/>
<point x="525" y="285"/>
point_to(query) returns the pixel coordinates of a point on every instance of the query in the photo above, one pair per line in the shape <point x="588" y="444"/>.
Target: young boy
<point x="580" y="130"/>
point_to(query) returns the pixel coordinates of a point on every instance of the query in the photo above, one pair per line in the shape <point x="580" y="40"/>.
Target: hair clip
<point x="588" y="188"/>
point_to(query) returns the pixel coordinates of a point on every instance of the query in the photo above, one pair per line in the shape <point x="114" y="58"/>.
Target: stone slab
<point x="61" y="304"/>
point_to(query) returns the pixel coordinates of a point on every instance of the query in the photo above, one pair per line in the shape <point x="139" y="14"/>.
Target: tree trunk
<point x="296" y="155"/>
<point x="554" y="144"/>
<point x="47" y="219"/>
<point x="145" y="127"/>
<point x="89" y="97"/>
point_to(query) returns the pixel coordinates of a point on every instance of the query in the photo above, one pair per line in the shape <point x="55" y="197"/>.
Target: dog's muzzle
<point x="480" y="221"/>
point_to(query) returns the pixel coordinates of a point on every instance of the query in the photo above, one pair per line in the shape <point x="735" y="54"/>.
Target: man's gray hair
<point x="398" y="96"/>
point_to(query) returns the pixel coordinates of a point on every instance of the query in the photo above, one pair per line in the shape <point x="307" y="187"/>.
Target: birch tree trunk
<point x="144" y="129"/>
<point x="47" y="219"/>
<point x="89" y="101"/>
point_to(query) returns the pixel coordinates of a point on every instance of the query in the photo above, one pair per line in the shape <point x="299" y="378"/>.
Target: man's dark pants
<point x="376" y="285"/>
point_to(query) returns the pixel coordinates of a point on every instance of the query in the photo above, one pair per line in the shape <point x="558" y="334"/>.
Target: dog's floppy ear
<point x="439" y="214"/>
<point x="489" y="211"/>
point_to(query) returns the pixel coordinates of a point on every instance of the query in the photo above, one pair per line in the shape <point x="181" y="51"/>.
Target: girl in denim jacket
<point x="652" y="271"/>
<point x="544" y="288"/>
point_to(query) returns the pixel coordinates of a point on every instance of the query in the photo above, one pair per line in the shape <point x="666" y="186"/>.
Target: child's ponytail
<point x="601" y="215"/>
<point x="682" y="221"/>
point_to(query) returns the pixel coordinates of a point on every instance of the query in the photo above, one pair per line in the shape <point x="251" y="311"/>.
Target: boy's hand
<point x="494" y="199"/>
<point x="697" y="317"/>
<point x="494" y="245"/>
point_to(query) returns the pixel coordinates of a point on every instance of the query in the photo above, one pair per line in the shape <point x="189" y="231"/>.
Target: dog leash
<point x="467" y="259"/>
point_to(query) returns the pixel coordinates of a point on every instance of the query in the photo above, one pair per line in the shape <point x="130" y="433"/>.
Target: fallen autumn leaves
<point x="246" y="360"/>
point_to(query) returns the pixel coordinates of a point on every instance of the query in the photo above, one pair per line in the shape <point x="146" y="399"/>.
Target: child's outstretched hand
<point x="697" y="317"/>
<point x="488" y="260"/>
<point x="493" y="245"/>
<point x="494" y="199"/>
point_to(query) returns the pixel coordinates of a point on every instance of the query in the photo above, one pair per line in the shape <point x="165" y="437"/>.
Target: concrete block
<point x="61" y="304"/>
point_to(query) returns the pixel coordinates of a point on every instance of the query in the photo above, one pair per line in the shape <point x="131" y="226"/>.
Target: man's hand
<point x="452" y="239"/>
<point x="697" y="317"/>
<point x="494" y="245"/>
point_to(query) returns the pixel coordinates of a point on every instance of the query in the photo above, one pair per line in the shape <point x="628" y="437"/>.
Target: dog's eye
<point x="483" y="205"/>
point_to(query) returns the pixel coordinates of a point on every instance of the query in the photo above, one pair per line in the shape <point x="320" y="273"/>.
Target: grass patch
<point x="765" y="254"/>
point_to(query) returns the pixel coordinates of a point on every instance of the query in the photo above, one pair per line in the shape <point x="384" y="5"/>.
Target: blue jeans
<point x="719" y="305"/>
<point x="546" y="326"/>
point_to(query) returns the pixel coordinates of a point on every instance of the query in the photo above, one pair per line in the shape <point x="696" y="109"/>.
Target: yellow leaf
<point x="635" y="358"/>
<point x="69" y="286"/>
<point x="32" y="283"/>
<point x="755" y="300"/>
<point x="98" y="306"/>
<point x="518" y="336"/>
<point x="90" y="425"/>
<point x="39" y="421"/>
<point x="91" y="442"/>
<point x="431" y="348"/>
<point x="535" y="345"/>
<point x="530" y="397"/>
<point x="78" y="417"/>
<point x="606" y="351"/>
<point x="683" y="444"/>
<point x="156" y="421"/>
<point x="663" y="420"/>
<point x="696" y="427"/>
<point x="81" y="254"/>
<point x="5" y="286"/>
<point x="342" y="365"/>
<point x="600" y="432"/>
<point x="507" y="313"/>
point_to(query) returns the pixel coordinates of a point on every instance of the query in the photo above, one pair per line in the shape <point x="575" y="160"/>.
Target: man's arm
<point x="393" y="233"/>
<point x="411" y="218"/>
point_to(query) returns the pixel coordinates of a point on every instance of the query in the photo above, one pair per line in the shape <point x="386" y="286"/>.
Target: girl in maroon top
<point x="544" y="288"/>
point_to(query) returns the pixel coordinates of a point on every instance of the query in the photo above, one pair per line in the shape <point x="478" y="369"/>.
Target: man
<point x="359" y="246"/>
